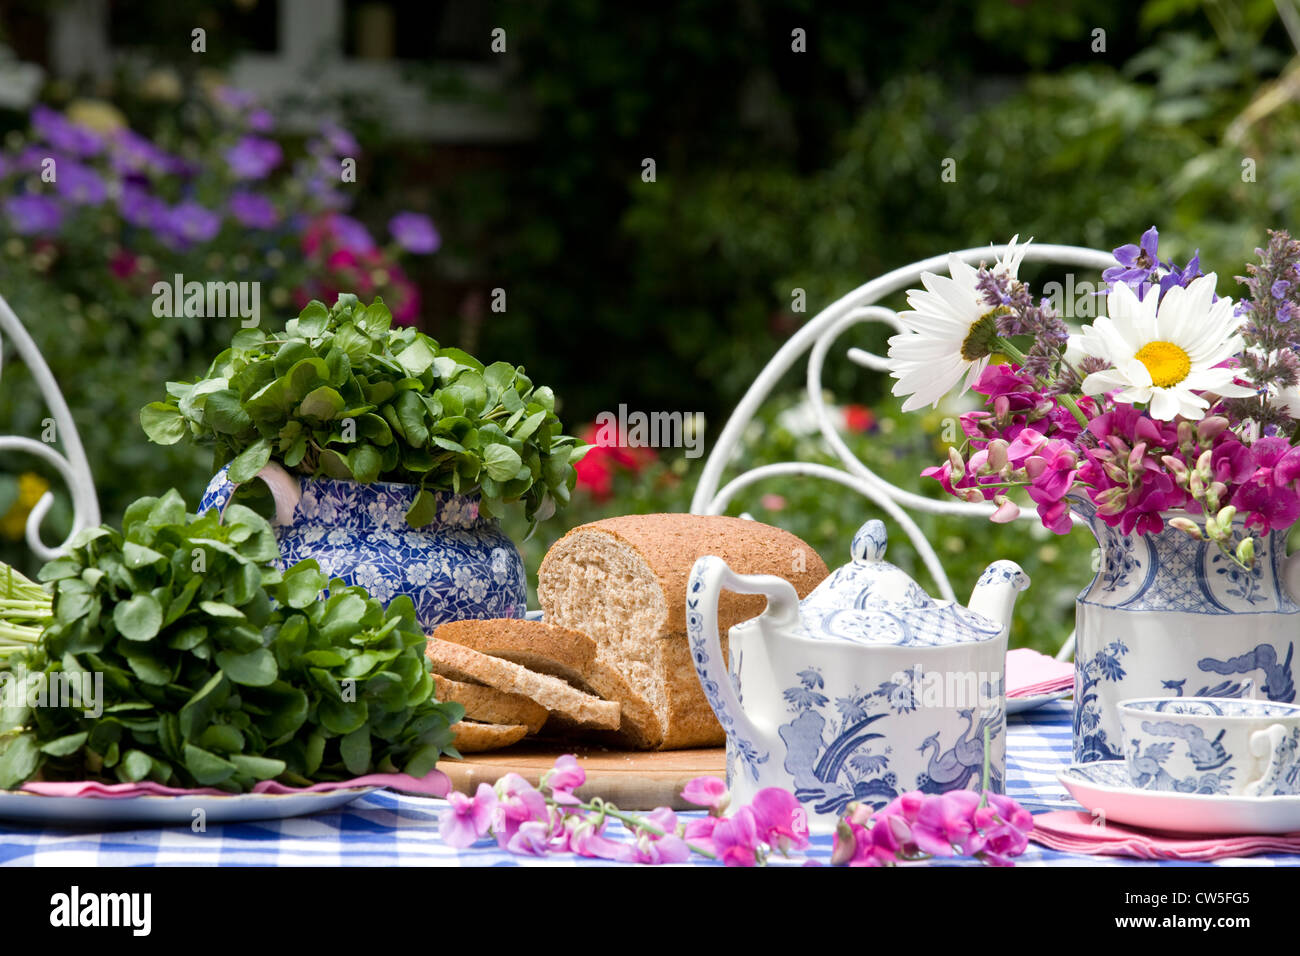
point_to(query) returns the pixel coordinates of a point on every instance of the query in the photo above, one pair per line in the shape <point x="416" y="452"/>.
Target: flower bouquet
<point x="1176" y="401"/>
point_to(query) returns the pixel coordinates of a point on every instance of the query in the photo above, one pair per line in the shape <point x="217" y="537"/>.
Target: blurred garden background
<point x="776" y="169"/>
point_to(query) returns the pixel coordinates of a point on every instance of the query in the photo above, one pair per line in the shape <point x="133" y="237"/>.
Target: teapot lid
<point x="871" y="601"/>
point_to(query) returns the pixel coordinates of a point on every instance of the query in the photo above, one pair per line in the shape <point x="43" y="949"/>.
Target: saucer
<point x="1018" y="705"/>
<point x="1105" y="789"/>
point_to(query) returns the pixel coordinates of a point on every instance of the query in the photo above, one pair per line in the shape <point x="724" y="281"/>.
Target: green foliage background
<point x="778" y="171"/>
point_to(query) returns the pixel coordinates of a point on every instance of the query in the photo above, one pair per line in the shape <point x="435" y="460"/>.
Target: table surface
<point x="390" y="829"/>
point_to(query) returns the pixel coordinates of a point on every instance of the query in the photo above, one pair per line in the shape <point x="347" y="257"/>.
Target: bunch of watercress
<point x="217" y="670"/>
<point x="341" y="393"/>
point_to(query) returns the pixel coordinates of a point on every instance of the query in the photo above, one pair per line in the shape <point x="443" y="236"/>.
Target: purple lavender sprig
<point x="1271" y="331"/>
<point x="1018" y="314"/>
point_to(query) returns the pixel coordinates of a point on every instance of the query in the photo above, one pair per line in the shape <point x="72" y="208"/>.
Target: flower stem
<point x="1006" y="348"/>
<point x="606" y="809"/>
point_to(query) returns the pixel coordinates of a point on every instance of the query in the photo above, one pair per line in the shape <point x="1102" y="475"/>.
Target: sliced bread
<point x="466" y="664"/>
<point x="560" y="652"/>
<point x="622" y="581"/>
<point x="489" y="705"/>
<point x="474" y="738"/>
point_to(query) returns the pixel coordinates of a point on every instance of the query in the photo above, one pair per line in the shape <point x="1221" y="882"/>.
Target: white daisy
<point x="950" y="333"/>
<point x="1164" y="356"/>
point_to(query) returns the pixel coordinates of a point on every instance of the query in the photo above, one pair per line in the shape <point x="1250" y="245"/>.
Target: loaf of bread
<point x="564" y="653"/>
<point x="487" y="705"/>
<point x="475" y="738"/>
<point x="622" y="582"/>
<point x="467" y="665"/>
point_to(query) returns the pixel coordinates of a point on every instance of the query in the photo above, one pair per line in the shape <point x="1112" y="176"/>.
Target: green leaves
<point x="220" y="672"/>
<point x="342" y="393"/>
<point x="501" y="462"/>
<point x="139" y="618"/>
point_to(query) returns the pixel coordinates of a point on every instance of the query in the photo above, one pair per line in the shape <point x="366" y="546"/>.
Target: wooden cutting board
<point x="630" y="779"/>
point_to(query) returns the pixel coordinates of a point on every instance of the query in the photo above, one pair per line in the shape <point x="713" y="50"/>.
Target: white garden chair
<point x="72" y="466"/>
<point x="816" y="338"/>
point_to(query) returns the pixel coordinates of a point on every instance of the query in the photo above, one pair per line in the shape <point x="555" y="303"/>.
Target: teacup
<point x="1212" y="745"/>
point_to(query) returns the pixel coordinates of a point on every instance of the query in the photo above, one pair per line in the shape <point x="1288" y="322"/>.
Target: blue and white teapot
<point x="865" y="690"/>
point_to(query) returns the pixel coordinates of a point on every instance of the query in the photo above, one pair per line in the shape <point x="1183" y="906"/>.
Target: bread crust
<point x="565" y="653"/>
<point x="466" y="665"/>
<point x="669" y="545"/>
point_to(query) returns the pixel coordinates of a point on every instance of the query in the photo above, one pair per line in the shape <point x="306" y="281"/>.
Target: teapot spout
<point x="995" y="594"/>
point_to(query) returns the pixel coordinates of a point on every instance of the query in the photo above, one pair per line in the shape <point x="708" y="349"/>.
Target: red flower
<point x="597" y="468"/>
<point x="859" y="418"/>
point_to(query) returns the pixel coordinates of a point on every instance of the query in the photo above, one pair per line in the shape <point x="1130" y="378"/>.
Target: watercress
<point x="217" y="669"/>
<point x="342" y="393"/>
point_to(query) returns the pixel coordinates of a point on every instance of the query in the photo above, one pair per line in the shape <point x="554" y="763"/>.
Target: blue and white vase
<point x="459" y="566"/>
<point x="1169" y="616"/>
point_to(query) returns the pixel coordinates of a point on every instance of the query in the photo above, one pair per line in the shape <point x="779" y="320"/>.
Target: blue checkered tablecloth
<point x="391" y="829"/>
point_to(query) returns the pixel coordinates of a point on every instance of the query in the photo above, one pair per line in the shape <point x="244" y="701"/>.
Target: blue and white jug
<point x="867" y="689"/>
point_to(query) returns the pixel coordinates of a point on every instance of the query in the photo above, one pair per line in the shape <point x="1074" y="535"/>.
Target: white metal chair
<point x="817" y="337"/>
<point x="73" y="466"/>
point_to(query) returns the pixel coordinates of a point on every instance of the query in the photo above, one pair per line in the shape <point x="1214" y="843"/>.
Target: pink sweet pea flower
<point x="781" y="820"/>
<point x="584" y="838"/>
<point x="1006" y="826"/>
<point x="518" y="802"/>
<point x="531" y="839"/>
<point x="468" y="818"/>
<point x="944" y="826"/>
<point x="700" y="832"/>
<point x="566" y="776"/>
<point x="707" y="792"/>
<point x="650" y="848"/>
<point x="736" y="840"/>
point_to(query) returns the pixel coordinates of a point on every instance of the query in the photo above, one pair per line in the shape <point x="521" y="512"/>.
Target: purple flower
<point x="252" y="209"/>
<point x="261" y="121"/>
<point x="55" y="128"/>
<point x="414" y="232"/>
<point x="253" y="157"/>
<point x="191" y="222"/>
<point x="130" y="152"/>
<point x="33" y="215"/>
<point x="708" y="792"/>
<point x="80" y="184"/>
<point x="340" y="140"/>
<point x="1184" y="276"/>
<point x="468" y="818"/>
<point x="351" y="234"/>
<point x="1137" y="264"/>
<point x="1278" y="290"/>
<point x="140" y="208"/>
<point x="565" y="777"/>
<point x="233" y="98"/>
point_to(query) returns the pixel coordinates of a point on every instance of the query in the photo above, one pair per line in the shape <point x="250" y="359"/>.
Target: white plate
<point x="19" y="807"/>
<point x="1105" y="786"/>
<point x="1017" y="705"/>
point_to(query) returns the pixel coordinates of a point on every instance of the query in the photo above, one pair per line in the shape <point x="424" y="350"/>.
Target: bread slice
<point x="489" y="705"/>
<point x="465" y="664"/>
<point x="473" y="738"/>
<point x="622" y="582"/>
<point x="564" y="653"/>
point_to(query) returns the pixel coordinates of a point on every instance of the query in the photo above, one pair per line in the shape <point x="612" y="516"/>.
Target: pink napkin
<point x="1030" y="673"/>
<point x="434" y="784"/>
<point x="1073" y="831"/>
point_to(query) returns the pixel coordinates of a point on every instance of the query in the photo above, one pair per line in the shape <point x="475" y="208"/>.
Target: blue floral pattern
<point x="459" y="566"/>
<point x="839" y="752"/>
<point x="738" y="746"/>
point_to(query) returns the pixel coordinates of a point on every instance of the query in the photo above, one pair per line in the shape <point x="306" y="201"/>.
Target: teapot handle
<point x="285" y="489"/>
<point x="708" y="578"/>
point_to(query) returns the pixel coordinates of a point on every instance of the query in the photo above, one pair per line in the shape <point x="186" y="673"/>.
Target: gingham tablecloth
<point x="391" y="829"/>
